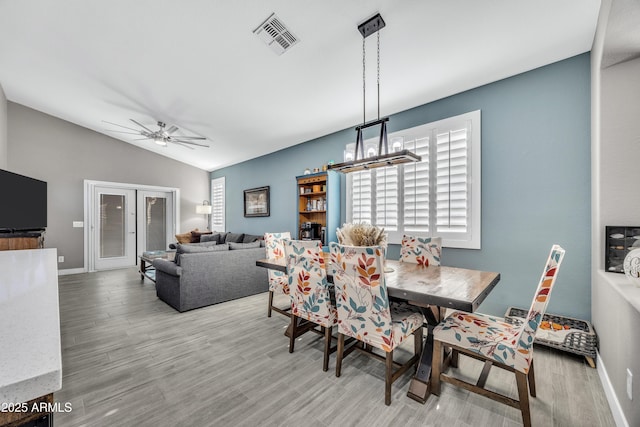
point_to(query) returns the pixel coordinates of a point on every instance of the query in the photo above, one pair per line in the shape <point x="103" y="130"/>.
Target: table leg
<point x="420" y="386"/>
<point x="143" y="268"/>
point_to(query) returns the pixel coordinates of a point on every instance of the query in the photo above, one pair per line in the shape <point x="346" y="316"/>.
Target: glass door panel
<point x="114" y="228"/>
<point x="155" y="220"/>
<point x="112" y="225"/>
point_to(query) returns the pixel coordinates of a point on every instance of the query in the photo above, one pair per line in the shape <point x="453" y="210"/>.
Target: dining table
<point x="440" y="287"/>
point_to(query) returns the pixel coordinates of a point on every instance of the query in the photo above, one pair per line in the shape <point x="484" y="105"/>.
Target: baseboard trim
<point x="70" y="271"/>
<point x="614" y="404"/>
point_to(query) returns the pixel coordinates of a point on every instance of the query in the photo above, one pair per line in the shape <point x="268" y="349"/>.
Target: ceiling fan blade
<point x="122" y="131"/>
<point x="172" y="129"/>
<point x="190" y="137"/>
<point x="142" y="126"/>
<point x="141" y="139"/>
<point x="115" y="124"/>
<point x="187" y="142"/>
<point x="184" y="145"/>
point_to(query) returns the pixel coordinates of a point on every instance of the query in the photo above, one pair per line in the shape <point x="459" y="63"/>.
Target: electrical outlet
<point x="61" y="258"/>
<point x="629" y="384"/>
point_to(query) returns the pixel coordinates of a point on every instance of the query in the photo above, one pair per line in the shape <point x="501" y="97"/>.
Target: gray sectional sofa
<point x="210" y="272"/>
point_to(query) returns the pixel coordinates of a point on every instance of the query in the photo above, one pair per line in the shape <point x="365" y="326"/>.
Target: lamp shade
<point x="203" y="209"/>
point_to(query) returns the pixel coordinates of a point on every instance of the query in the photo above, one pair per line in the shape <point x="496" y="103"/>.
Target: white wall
<point x="616" y="201"/>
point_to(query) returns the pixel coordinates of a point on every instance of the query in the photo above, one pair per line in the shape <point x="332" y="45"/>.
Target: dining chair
<point x="309" y="291"/>
<point x="497" y="343"/>
<point x="278" y="281"/>
<point x="421" y="250"/>
<point x="424" y="251"/>
<point x="365" y="314"/>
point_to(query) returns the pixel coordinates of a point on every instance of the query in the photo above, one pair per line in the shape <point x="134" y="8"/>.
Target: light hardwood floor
<point x="131" y="360"/>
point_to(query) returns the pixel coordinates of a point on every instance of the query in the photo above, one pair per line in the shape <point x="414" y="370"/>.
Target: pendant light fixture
<point x="371" y="26"/>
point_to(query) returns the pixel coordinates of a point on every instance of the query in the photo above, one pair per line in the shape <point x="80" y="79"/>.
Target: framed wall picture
<point x="256" y="202"/>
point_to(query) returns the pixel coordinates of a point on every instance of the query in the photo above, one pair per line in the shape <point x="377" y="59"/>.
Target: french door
<point x="124" y="220"/>
<point x="114" y="228"/>
<point x="155" y="220"/>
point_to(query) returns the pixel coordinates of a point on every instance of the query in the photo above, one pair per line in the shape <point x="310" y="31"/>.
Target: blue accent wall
<point x="536" y="163"/>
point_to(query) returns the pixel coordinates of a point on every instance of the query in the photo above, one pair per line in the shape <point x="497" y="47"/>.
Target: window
<point x="438" y="196"/>
<point x="217" y="204"/>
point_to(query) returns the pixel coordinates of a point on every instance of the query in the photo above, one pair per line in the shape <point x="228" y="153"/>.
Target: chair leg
<point x="270" y="303"/>
<point x="340" y="352"/>
<point x="388" y="378"/>
<point x="455" y="358"/>
<point x="532" y="381"/>
<point x="523" y="396"/>
<point x="436" y="367"/>
<point x="327" y="348"/>
<point x="294" y="332"/>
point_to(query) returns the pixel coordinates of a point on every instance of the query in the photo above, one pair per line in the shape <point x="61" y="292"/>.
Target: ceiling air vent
<point x="273" y="32"/>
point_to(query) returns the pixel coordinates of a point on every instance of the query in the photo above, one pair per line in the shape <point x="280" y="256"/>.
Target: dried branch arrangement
<point x="357" y="234"/>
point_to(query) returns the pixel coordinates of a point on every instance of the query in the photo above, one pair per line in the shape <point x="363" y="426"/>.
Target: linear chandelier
<point x="373" y="25"/>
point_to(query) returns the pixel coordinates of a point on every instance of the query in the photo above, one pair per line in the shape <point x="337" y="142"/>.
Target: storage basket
<point x="580" y="337"/>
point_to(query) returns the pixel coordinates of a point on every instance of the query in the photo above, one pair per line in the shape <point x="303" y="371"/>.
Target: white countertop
<point x="30" y="353"/>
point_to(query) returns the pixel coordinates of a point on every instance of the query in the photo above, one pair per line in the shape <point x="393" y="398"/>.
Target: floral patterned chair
<point x="421" y="250"/>
<point x="424" y="251"/>
<point x="498" y="343"/>
<point x="278" y="281"/>
<point x="364" y="312"/>
<point x="309" y="291"/>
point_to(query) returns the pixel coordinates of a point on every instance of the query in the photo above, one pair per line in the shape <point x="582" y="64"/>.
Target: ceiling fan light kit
<point x="371" y="26"/>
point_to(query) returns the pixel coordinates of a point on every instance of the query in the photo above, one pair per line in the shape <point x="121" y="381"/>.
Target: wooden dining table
<point x="435" y="286"/>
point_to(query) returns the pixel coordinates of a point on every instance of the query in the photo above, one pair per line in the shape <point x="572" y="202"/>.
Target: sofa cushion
<point x="234" y="237"/>
<point x="195" y="235"/>
<point x="248" y="238"/>
<point x="233" y="245"/>
<point x="198" y="248"/>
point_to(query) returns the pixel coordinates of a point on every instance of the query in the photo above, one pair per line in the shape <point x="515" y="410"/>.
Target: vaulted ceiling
<point x="198" y="65"/>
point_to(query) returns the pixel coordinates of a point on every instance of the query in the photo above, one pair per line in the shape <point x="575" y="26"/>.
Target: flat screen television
<point x="23" y="203"/>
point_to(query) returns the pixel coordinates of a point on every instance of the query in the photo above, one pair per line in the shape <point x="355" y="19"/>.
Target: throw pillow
<point x="184" y="237"/>
<point x="234" y="237"/>
<point x="195" y="235"/>
<point x="210" y="238"/>
<point x="248" y="238"/>
<point x="233" y="245"/>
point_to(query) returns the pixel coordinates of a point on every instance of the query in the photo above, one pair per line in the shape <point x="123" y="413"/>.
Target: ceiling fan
<point x="161" y="136"/>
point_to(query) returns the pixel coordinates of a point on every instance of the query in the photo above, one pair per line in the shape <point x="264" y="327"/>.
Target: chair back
<point x="421" y="250"/>
<point x="308" y="286"/>
<point x="362" y="301"/>
<point x="540" y="302"/>
<point x="274" y="245"/>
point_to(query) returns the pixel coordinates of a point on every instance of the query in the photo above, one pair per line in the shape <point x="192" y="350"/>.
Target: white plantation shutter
<point x="217" y="204"/>
<point x="438" y="196"/>
<point x="386" y="185"/>
<point x="416" y="188"/>
<point x="361" y="196"/>
<point x="452" y="202"/>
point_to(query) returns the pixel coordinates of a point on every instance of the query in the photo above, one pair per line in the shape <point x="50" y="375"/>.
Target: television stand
<point x="17" y="240"/>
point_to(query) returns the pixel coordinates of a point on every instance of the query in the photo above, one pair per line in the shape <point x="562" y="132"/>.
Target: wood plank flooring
<point x="131" y="360"/>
